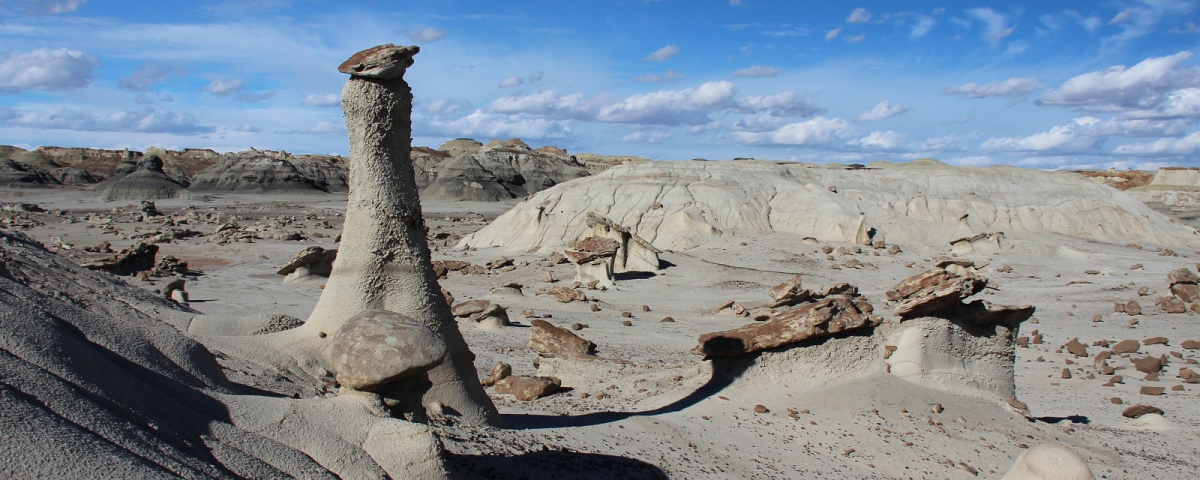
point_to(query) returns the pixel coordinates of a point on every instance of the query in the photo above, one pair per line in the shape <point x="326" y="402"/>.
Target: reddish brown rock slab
<point x="499" y="372"/>
<point x="1152" y="390"/>
<point x="554" y="342"/>
<point x="1190" y="345"/>
<point x="815" y="320"/>
<point x="564" y="294"/>
<point x="591" y="249"/>
<point x="1173" y="305"/>
<point x="1155" y="341"/>
<point x="1139" y="410"/>
<point x="378" y="347"/>
<point x="1182" y="276"/>
<point x="788" y="293"/>
<point x="1187" y="292"/>
<point x="469" y="307"/>
<point x="1148" y="364"/>
<point x="1077" y="349"/>
<point x="384" y="61"/>
<point x="1126" y="346"/>
<point x="932" y="291"/>
<point x="528" y="389"/>
<point x="1133" y="308"/>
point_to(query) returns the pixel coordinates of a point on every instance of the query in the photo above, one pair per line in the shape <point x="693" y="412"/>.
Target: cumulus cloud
<point x="147" y="120"/>
<point x="670" y="76"/>
<point x="1014" y="89"/>
<point x="881" y="111"/>
<point x="877" y="140"/>
<point x="321" y="128"/>
<point x="1144" y="86"/>
<point x="492" y="125"/>
<point x="424" y="36"/>
<point x="1182" y="103"/>
<point x="760" y="122"/>
<point x="832" y="34"/>
<point x="783" y="104"/>
<point x="859" y="15"/>
<point x="148" y="75"/>
<point x="758" y="71"/>
<point x="997" y="23"/>
<point x="46" y="70"/>
<point x="544" y="103"/>
<point x="1085" y="133"/>
<point x="512" y="81"/>
<point x="662" y="54"/>
<point x="327" y="100"/>
<point x="447" y="106"/>
<point x="671" y="107"/>
<point x="1162" y="148"/>
<point x="941" y="144"/>
<point x="225" y="88"/>
<point x="819" y="131"/>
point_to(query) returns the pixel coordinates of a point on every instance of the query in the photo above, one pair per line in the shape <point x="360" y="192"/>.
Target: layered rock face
<point x="149" y="182"/>
<point x="681" y="205"/>
<point x="499" y="171"/>
<point x="256" y="172"/>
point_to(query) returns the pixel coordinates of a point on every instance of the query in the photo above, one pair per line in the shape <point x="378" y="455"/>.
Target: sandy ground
<point x="877" y="427"/>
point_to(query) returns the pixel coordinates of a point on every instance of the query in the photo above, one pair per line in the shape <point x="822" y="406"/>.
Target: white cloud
<point x="859" y="15"/>
<point x="1014" y="89"/>
<point x="877" y="140"/>
<point x="670" y="76"/>
<point x="832" y="34"/>
<point x="976" y="161"/>
<point x="997" y="23"/>
<point x="672" y="107"/>
<point x="1161" y="148"/>
<point x="328" y="100"/>
<point x="45" y="69"/>
<point x="1085" y="133"/>
<point x="1143" y="17"/>
<point x="425" y="36"/>
<point x="941" y="144"/>
<point x="783" y="104"/>
<point x="1182" y="103"/>
<point x="646" y="137"/>
<point x="544" y="103"/>
<point x="758" y="71"/>
<point x="662" y="54"/>
<point x="1191" y="27"/>
<point x="148" y="120"/>
<point x="856" y="38"/>
<point x="447" y="106"/>
<point x="150" y="74"/>
<point x="815" y="132"/>
<point x="225" y="88"/>
<point x="760" y="122"/>
<point x="51" y="7"/>
<point x="502" y="126"/>
<point x="1141" y="87"/>
<point x="254" y="97"/>
<point x="512" y="81"/>
<point x="735" y="3"/>
<point x="323" y="127"/>
<point x="536" y="77"/>
<point x="881" y="111"/>
<point x="1122" y="17"/>
<point x="922" y="26"/>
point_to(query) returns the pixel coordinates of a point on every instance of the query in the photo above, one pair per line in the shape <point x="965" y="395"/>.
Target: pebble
<point x="595" y="308"/>
<point x="760" y="409"/>
<point x="645" y="308"/>
<point x="1115" y="400"/>
<point x="626" y="314"/>
<point x="627" y="323"/>
<point x="667" y="320"/>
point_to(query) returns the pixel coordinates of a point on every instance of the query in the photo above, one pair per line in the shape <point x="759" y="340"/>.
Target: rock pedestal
<point x="594" y="259"/>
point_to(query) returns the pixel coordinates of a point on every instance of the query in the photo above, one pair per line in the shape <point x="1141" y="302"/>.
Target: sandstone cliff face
<point x="499" y="171"/>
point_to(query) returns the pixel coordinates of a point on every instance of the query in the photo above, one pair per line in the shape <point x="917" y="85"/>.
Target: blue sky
<point x="1062" y="84"/>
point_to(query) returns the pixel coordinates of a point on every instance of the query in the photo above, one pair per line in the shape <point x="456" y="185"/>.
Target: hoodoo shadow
<point x="562" y="465"/>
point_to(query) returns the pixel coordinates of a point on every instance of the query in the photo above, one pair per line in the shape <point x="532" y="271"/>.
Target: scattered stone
<point x="1133" y="308"/>
<point x="1190" y="345"/>
<point x="1126" y="346"/>
<point x="528" y="389"/>
<point x="1148" y="364"/>
<point x="1077" y="349"/>
<point x="564" y="294"/>
<point x="1097" y="318"/>
<point x="1115" y="400"/>
<point x="499" y="372"/>
<point x="1155" y="341"/>
<point x="760" y="409"/>
<point x="627" y="314"/>
<point x="577" y="326"/>
<point x="554" y="342"/>
<point x="375" y="348"/>
<point x="470" y="307"/>
<point x="645" y="308"/>
<point x="1143" y="291"/>
<point x="595" y="308"/>
<point x="667" y="320"/>
<point x="1147" y="390"/>
<point x="937" y="408"/>
<point x="627" y="323"/>
<point x="1119" y="307"/>
<point x="1066" y="373"/>
<point x="819" y="319"/>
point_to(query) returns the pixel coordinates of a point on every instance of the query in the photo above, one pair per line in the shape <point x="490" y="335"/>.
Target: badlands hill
<point x="502" y="170"/>
<point x="681" y="205"/>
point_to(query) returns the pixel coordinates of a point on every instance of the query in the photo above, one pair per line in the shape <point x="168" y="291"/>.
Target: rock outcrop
<point x="460" y="146"/>
<point x="311" y="264"/>
<point x="553" y="342"/>
<point x="634" y="254"/>
<point x="19" y="174"/>
<point x="1182" y="284"/>
<point x="829" y="316"/>
<point x="257" y="172"/>
<point x="593" y="258"/>
<point x="500" y="171"/>
<point x="128" y="261"/>
<point x="681" y="205"/>
<point x="149" y="182"/>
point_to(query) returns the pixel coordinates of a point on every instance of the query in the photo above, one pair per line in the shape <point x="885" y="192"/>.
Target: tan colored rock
<point x="1139" y="410"/>
<point x="312" y="262"/>
<point x="1182" y="276"/>
<point x="470" y="307"/>
<point x="1187" y="292"/>
<point x="815" y="320"/>
<point x="554" y="342"/>
<point x="634" y="254"/>
<point x="528" y="389"/>
<point x="499" y="372"/>
<point x="1049" y="462"/>
<point x="1148" y="390"/>
<point x="594" y="259"/>
<point x="564" y="294"/>
<point x="1074" y="347"/>
<point x="1190" y="345"/>
<point x="1133" y="308"/>
<point x="375" y="348"/>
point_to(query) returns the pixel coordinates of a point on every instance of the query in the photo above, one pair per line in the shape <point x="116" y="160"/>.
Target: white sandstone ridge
<point x="681" y="205"/>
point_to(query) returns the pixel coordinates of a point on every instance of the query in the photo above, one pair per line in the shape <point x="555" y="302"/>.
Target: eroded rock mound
<point x="149" y="182"/>
<point x="258" y="172"/>
<point x="499" y="171"/>
<point x="460" y="146"/>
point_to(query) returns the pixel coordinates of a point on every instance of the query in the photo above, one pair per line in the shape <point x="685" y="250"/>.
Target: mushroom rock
<point x="634" y="254"/>
<point x="1049" y="462"/>
<point x="594" y="258"/>
<point x="149" y="182"/>
<point x="375" y="348"/>
<point x="383" y="262"/>
<point x="312" y="263"/>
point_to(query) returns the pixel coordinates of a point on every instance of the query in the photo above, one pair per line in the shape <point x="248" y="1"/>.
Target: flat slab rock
<point x="815" y="320"/>
<point x="378" y="347"/>
<point x="551" y="341"/>
<point x="528" y="388"/>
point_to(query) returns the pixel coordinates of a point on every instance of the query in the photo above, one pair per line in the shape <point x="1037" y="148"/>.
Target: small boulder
<point x="378" y="347"/>
<point x="1126" y="346"/>
<point x="1139" y="410"/>
<point x="1077" y="349"/>
<point x="528" y="388"/>
<point x="554" y="342"/>
<point x="499" y="372"/>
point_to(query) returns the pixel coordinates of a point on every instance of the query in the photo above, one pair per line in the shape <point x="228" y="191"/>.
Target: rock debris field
<point x="650" y="320"/>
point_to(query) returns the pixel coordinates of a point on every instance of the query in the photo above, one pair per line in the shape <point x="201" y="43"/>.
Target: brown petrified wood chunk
<point x="384" y="62"/>
<point x="554" y="342"/>
<point x="815" y="320"/>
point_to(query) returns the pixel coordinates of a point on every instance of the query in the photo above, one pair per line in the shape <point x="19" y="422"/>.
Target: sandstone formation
<point x="528" y="389"/>
<point x="485" y="314"/>
<point x="1049" y="461"/>
<point x="383" y="260"/>
<point x="312" y="263"/>
<point x="375" y="348"/>
<point x="149" y="182"/>
<point x="680" y="205"/>
<point x="258" y="172"/>
<point x="593" y="258"/>
<point x="18" y="174"/>
<point x="425" y="161"/>
<point x="634" y="254"/>
<point x="498" y="171"/>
